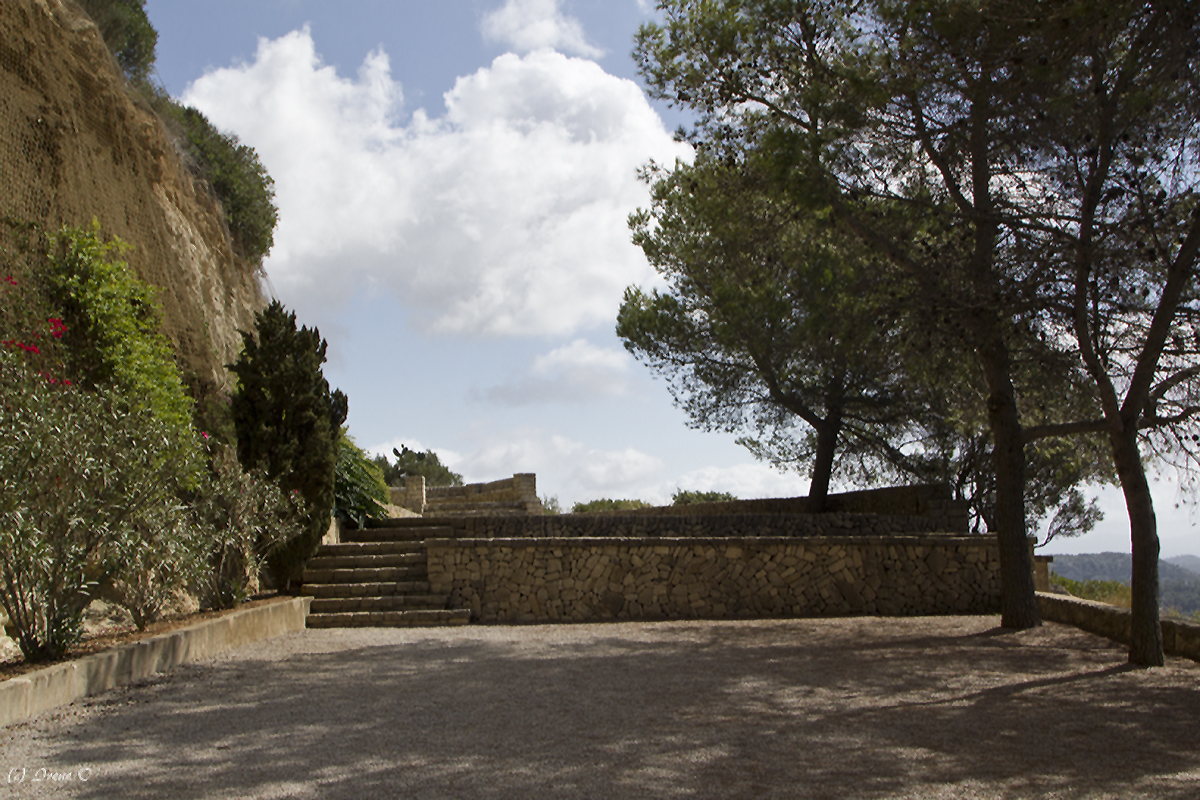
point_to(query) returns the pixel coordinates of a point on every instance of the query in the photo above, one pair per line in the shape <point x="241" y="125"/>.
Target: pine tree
<point x="288" y="424"/>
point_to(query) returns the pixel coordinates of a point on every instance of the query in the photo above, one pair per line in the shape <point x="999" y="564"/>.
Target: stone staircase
<point x="376" y="578"/>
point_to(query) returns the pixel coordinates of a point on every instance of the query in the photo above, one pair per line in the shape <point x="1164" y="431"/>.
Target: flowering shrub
<point x="83" y="476"/>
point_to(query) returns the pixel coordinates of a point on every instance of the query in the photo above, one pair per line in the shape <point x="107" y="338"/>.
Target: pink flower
<point x="204" y="434"/>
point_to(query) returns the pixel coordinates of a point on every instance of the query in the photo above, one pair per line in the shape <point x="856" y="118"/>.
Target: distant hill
<point x="1190" y="563"/>
<point x="1115" y="567"/>
<point x="1179" y="587"/>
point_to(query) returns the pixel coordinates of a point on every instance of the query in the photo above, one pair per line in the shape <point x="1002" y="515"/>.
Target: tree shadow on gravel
<point x="782" y="709"/>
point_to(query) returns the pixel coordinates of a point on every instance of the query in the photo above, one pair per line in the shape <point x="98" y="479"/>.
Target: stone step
<point x="324" y="590"/>
<point x="413" y="602"/>
<point x="321" y="562"/>
<point x="365" y="575"/>
<point x="400" y="533"/>
<point x="390" y="619"/>
<point x="369" y="548"/>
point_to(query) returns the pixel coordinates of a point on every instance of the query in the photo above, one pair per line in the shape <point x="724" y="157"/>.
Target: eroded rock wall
<point x="76" y="144"/>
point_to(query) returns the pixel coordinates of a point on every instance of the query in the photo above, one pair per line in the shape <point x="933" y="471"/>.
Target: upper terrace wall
<point x="517" y="494"/>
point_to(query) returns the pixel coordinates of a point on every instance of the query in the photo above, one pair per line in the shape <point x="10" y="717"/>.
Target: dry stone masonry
<point x="483" y="553"/>
<point x="579" y="579"/>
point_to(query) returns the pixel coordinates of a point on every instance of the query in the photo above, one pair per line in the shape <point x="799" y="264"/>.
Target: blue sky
<point x="453" y="181"/>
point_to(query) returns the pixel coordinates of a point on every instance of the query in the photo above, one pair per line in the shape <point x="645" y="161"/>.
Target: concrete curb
<point x="62" y="684"/>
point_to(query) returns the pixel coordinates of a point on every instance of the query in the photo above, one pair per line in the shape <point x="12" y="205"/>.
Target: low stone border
<point x="1179" y="638"/>
<point x="61" y="684"/>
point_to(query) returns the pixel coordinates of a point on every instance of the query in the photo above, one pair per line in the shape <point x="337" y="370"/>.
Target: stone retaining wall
<point x="1179" y="638"/>
<point x="586" y="579"/>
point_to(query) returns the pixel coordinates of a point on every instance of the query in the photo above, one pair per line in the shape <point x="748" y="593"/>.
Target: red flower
<point x="57" y="328"/>
<point x="10" y="279"/>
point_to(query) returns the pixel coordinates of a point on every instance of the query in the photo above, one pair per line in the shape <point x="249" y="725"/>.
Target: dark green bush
<point x="604" y="504"/>
<point x="687" y="498"/>
<point x="128" y="34"/>
<point x="410" y="462"/>
<point x="241" y="182"/>
<point x="288" y="423"/>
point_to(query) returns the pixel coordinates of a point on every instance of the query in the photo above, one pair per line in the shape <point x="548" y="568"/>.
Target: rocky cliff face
<point x="75" y="145"/>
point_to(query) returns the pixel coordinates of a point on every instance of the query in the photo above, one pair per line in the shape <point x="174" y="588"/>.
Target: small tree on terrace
<point x="288" y="423"/>
<point x="412" y="462"/>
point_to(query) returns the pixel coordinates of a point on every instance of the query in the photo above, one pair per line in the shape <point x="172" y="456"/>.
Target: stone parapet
<point x="934" y="503"/>
<point x="578" y="579"/>
<point x="1179" y="638"/>
<point x="689" y="525"/>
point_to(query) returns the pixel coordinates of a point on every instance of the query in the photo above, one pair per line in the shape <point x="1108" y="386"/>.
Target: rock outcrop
<point x="76" y="144"/>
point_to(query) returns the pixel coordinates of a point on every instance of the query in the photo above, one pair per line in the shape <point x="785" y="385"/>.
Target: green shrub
<point x="550" y="505"/>
<point x="246" y="516"/>
<point x="112" y="324"/>
<point x="287" y="424"/>
<point x="160" y="554"/>
<point x="604" y="504"/>
<point x="82" y="476"/>
<point x="359" y="490"/>
<point x="686" y="498"/>
<point x="237" y="176"/>
<point x="232" y="169"/>
<point x="127" y="33"/>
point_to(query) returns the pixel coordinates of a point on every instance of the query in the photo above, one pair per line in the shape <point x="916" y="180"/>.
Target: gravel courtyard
<point x="839" y="708"/>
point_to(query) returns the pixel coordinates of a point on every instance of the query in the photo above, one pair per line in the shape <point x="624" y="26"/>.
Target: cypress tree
<point x="288" y="424"/>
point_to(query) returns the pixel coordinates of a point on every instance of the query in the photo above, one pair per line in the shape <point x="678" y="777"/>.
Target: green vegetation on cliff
<point x="231" y="168"/>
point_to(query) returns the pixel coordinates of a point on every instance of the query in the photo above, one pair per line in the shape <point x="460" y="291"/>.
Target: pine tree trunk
<point x="822" y="470"/>
<point x="1018" y="602"/>
<point x="1145" y="642"/>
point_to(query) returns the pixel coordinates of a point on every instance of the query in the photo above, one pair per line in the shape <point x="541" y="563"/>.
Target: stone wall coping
<point x="937" y="539"/>
<point x="66" y="682"/>
<point x="1180" y="638"/>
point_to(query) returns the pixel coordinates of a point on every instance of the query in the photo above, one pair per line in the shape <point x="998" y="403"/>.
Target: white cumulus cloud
<point x="744" y="481"/>
<point x="505" y="216"/>
<point x="526" y="25"/>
